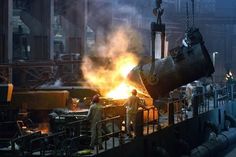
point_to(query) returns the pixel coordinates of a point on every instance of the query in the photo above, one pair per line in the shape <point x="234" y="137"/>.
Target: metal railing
<point x="221" y="96"/>
<point x="51" y="144"/>
<point x="180" y="109"/>
<point x="204" y="102"/>
<point x="152" y="119"/>
<point x="76" y="128"/>
<point x="24" y="143"/>
<point x="76" y="132"/>
<point x="201" y="102"/>
<point x="112" y="133"/>
<point x="232" y="89"/>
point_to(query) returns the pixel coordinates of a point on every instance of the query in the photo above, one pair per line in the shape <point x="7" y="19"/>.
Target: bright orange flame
<point x="122" y="91"/>
<point x="110" y="78"/>
<point x="125" y="64"/>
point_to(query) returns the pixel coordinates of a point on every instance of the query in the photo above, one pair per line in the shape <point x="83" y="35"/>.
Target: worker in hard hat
<point x="95" y="115"/>
<point x="132" y="104"/>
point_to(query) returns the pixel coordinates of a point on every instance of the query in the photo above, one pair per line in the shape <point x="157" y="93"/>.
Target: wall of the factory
<point x="39" y="19"/>
<point x="40" y="26"/>
<point x="225" y="8"/>
<point x="101" y="27"/>
<point x="74" y="23"/>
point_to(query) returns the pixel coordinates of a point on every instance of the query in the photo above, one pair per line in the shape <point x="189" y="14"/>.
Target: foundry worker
<point x="95" y="114"/>
<point x="132" y="104"/>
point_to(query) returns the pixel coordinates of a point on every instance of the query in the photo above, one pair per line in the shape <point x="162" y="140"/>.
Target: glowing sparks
<point x="43" y="127"/>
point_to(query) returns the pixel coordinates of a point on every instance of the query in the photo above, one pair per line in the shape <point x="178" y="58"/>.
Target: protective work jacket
<point x="95" y="115"/>
<point x="132" y="105"/>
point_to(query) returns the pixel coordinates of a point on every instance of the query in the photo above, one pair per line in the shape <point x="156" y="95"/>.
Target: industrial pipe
<point x="185" y="64"/>
<point x="214" y="146"/>
<point x="231" y="119"/>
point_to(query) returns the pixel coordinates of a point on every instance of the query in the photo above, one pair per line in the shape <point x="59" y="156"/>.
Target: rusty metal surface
<point x="40" y="100"/>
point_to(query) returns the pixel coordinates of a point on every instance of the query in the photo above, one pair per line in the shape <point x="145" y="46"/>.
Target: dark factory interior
<point x="130" y="78"/>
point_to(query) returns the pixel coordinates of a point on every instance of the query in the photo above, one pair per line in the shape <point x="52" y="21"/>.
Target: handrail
<point x="232" y="91"/>
<point x="45" y="142"/>
<point x="76" y="122"/>
<point x="154" y="118"/>
<point x="74" y="127"/>
<point x="108" y="119"/>
<point x="113" y="133"/>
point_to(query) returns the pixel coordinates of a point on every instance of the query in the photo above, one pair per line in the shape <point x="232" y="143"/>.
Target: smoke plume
<point x="108" y="64"/>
